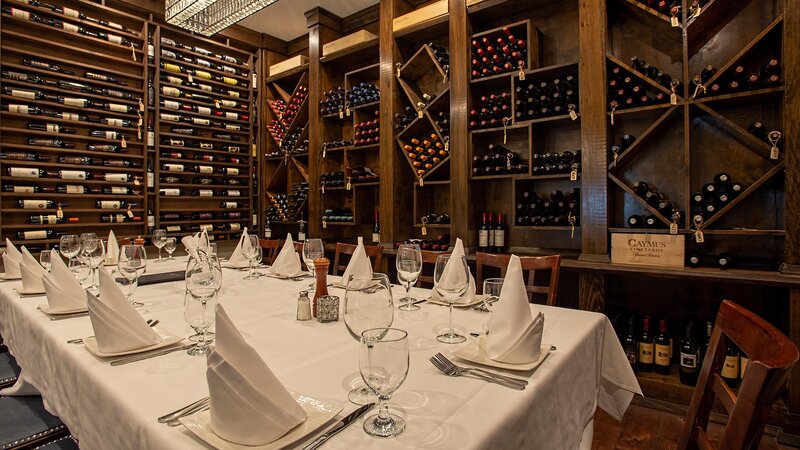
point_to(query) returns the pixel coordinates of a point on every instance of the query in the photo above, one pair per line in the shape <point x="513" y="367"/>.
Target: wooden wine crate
<point x="664" y="250"/>
<point x="287" y="65"/>
<point x="347" y="42"/>
<point x="420" y="16"/>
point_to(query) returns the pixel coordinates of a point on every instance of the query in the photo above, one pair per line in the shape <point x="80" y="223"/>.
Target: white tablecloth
<point x="116" y="407"/>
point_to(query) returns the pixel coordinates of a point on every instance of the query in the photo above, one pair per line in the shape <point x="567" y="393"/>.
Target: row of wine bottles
<point x="168" y="180"/>
<point x="557" y="208"/>
<point x="284" y="207"/>
<point x="69" y="27"/>
<point x="204" y="157"/>
<point x="338" y="215"/>
<point x="769" y="75"/>
<point x="556" y="97"/>
<point x="170" y="167"/>
<point x="293" y="107"/>
<point x="166" y="53"/>
<point x="226" y="58"/>
<point x="440" y="244"/>
<point x="499" y="52"/>
<point x="198" y="121"/>
<point x="490" y="111"/>
<point x="203" y="215"/>
<point x="232" y="227"/>
<point x="658" y="200"/>
<point x="204" y="110"/>
<point x="37" y="111"/>
<point x="426" y="154"/>
<point x="723" y="260"/>
<point x="54" y="219"/>
<point x="68" y="101"/>
<point x="235" y="149"/>
<point x="339" y="100"/>
<point x="67" y="189"/>
<point x="171" y="91"/>
<point x="492" y="234"/>
<point x="76" y="14"/>
<point x="176" y="192"/>
<point x="714" y="196"/>
<point x="554" y="163"/>
<point x="67" y="85"/>
<point x="367" y="132"/>
<point x="433" y="218"/>
<point x="655" y="74"/>
<point x="50" y="204"/>
<point x="203" y="75"/>
<point x="178" y="81"/>
<point x="33" y="172"/>
<point x="625" y="90"/>
<point x="68" y="159"/>
<point x="498" y="160"/>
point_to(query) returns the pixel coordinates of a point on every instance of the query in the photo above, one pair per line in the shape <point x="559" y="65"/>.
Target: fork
<point x="453" y="372"/>
<point x="484" y="306"/>
<point x="443" y="359"/>
<point x="150" y="322"/>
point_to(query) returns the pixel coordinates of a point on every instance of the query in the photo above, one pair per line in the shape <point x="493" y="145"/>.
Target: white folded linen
<point x="192" y="242"/>
<point x="64" y="292"/>
<point x="237" y="259"/>
<point x="287" y="263"/>
<point x="118" y="327"/>
<point x="112" y="250"/>
<point x="32" y="273"/>
<point x="249" y="405"/>
<point x="454" y="274"/>
<point x="359" y="264"/>
<point x="514" y="334"/>
<point x="11" y="259"/>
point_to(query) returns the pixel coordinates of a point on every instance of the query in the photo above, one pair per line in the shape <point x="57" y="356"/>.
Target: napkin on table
<point x="118" y="327"/>
<point x="359" y="264"/>
<point x="32" y="273"/>
<point x="112" y="250"/>
<point x="237" y="259"/>
<point x="453" y="273"/>
<point x="11" y="259"/>
<point x="64" y="292"/>
<point x="193" y="242"/>
<point x="514" y="335"/>
<point x="287" y="263"/>
<point x="249" y="405"/>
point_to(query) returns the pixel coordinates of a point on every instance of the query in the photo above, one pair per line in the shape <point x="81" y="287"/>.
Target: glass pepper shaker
<point x="303" y="306"/>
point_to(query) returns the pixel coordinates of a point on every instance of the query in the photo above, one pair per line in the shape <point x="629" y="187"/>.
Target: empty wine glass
<point x="88" y="242"/>
<point x="170" y="245"/>
<point x="451" y="280"/>
<point x="251" y="250"/>
<point x="95" y="251"/>
<point x="367" y="304"/>
<point x="80" y="269"/>
<point x="409" y="266"/>
<point x="132" y="263"/>
<point x="203" y="282"/>
<point x="44" y="259"/>
<point x="198" y="317"/>
<point x="491" y="291"/>
<point x="159" y="239"/>
<point x="69" y="246"/>
<point x="383" y="362"/>
<point x="312" y="249"/>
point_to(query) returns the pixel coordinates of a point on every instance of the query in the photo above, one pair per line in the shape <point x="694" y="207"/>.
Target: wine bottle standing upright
<point x="499" y="235"/>
<point x="690" y="353"/>
<point x="376" y="231"/>
<point x="629" y="343"/>
<point x="663" y="354"/>
<point x="483" y="235"/>
<point x="646" y="347"/>
<point x="730" y="368"/>
<point x="490" y="247"/>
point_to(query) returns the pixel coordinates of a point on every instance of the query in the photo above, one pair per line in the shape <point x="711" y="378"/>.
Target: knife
<point x="148" y="355"/>
<point x="341" y="425"/>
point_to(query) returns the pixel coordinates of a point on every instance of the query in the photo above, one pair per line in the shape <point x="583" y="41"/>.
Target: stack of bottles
<point x="289" y="142"/>
<point x="278" y="106"/>
<point x="425" y="154"/>
<point x="616" y="150"/>
<point x="440" y="244"/>
<point x="337" y="144"/>
<point x="490" y="110"/>
<point x="338" y="215"/>
<point x="363" y="174"/>
<point x="284" y="207"/>
<point x="658" y="201"/>
<point x="714" y="196"/>
<point x="404" y="119"/>
<point x="740" y="79"/>
<point x="439" y="219"/>
<point x="537" y="100"/>
<point x="367" y="133"/>
<point x="555" y="163"/>
<point x="655" y="74"/>
<point x="498" y="160"/>
<point x="276" y="130"/>
<point x="499" y="52"/>
<point x="333" y="102"/>
<point x="625" y="90"/>
<point x="558" y="209"/>
<point x="331" y="179"/>
<point x="364" y="93"/>
<point x="441" y="55"/>
<point x="442" y="122"/>
<point x="294" y="105"/>
<point x="759" y="130"/>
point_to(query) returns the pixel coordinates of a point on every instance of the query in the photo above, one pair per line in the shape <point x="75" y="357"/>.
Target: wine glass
<point x="367" y="304"/>
<point x="170" y="245"/>
<point x="203" y="282"/>
<point x="451" y="280"/>
<point x="251" y="250"/>
<point x="491" y="290"/>
<point x="258" y="257"/>
<point x="44" y="259"/>
<point x="80" y="269"/>
<point x="95" y="251"/>
<point x="69" y="246"/>
<point x="383" y="362"/>
<point x="409" y="266"/>
<point x="197" y="316"/>
<point x="132" y="262"/>
<point x="312" y="249"/>
<point x="159" y="239"/>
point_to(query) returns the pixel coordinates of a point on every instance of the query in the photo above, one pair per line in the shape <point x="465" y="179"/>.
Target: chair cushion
<point x="24" y="421"/>
<point x="64" y="443"/>
<point x="9" y="370"/>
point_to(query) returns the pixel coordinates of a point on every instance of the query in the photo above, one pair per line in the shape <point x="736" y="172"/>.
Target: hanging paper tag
<point x="349" y="186"/>
<point x="341" y="114"/>
<point x="447" y="145"/>
<point x="324" y="223"/>
<point x="323" y="153"/>
<point x="420" y="107"/>
<point x="573" y="175"/>
<point x="130" y="213"/>
<point x="674" y="21"/>
<point x="446" y="74"/>
<point x="616" y="157"/>
<point x="398" y="65"/>
<point x="571" y="219"/>
<point x="136" y="181"/>
<point x="133" y="52"/>
<point x="698" y="11"/>
<point x="572" y="114"/>
<point x="216" y="103"/>
<point x="522" y="70"/>
<point x="191" y="80"/>
<point x="322" y="188"/>
<point x="123" y="143"/>
<point x="347" y="109"/>
<point x="60" y="212"/>
<point x="505" y="130"/>
<point x="673" y="99"/>
<point x="673" y="228"/>
<point x="141" y="105"/>
<point x="774" y="153"/>
<point x="424" y="229"/>
<point x="613" y="108"/>
<point x="698" y="237"/>
<point x="421" y="182"/>
<point x="774" y="137"/>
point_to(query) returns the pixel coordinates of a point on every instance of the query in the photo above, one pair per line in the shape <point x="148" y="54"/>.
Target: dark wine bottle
<point x="483" y="235"/>
<point x="690" y="355"/>
<point x="663" y="355"/>
<point x="730" y="367"/>
<point x="725" y="261"/>
<point x="646" y="347"/>
<point x="629" y="343"/>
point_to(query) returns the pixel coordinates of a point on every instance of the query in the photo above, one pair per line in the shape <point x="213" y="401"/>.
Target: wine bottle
<point x="730" y="367"/>
<point x="490" y="246"/>
<point x="267" y="228"/>
<point x="376" y="231"/>
<point x="694" y="260"/>
<point x="102" y="77"/>
<point x="635" y="221"/>
<point x="51" y="219"/>
<point x="500" y="235"/>
<point x="663" y="355"/>
<point x="46" y="66"/>
<point x="301" y="233"/>
<point x="38" y="234"/>
<point x="646" y="347"/>
<point x="20" y="189"/>
<point x="689" y="355"/>
<point x="118" y="218"/>
<point x="114" y="204"/>
<point x="37" y="204"/>
<point x="50" y="128"/>
<point x="725" y="260"/>
<point x="629" y="344"/>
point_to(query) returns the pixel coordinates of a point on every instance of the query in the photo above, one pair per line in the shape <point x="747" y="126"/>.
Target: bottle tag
<point x="697" y="11"/>
<point x="572" y="114"/>
<point x="673" y="97"/>
<point x="508" y="161"/>
<point x="133" y="52"/>
<point x="573" y="175"/>
<point x="505" y="129"/>
<point x="323" y="153"/>
<point x="424" y="229"/>
<point x="522" y="71"/>
<point x="571" y="219"/>
<point x="123" y="143"/>
<point x="136" y="181"/>
<point x="421" y="182"/>
<point x="324" y="223"/>
<point x="774" y="137"/>
<point x="447" y="145"/>
<point x="322" y="188"/>
<point x="674" y="21"/>
<point x="349" y="186"/>
<point x="347" y="109"/>
<point x="141" y="105"/>
<point x="60" y="212"/>
<point x="398" y="65"/>
<point x="616" y="157"/>
<point x="673" y="228"/>
<point x="130" y="213"/>
<point x="216" y="103"/>
<point x="698" y="237"/>
<point x="774" y="153"/>
<point x="446" y="74"/>
<point x="191" y="80"/>
<point x="613" y="109"/>
<point x="341" y="114"/>
<point x="420" y="108"/>
<point x="698" y="88"/>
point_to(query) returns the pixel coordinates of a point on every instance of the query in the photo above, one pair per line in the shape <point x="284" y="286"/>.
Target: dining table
<point x="116" y="407"/>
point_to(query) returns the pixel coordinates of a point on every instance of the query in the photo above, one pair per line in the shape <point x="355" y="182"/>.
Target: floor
<point x="643" y="428"/>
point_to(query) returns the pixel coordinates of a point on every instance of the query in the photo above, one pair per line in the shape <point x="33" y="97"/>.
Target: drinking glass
<point x="383" y="362"/>
<point x="312" y="249"/>
<point x="409" y="266"/>
<point x="87" y="246"/>
<point x="159" y="239"/>
<point x="199" y="317"/>
<point x="451" y="282"/>
<point x="491" y="289"/>
<point x="251" y="249"/>
<point x="132" y="263"/>
<point x="80" y="268"/>
<point x="95" y="252"/>
<point x="44" y="259"/>
<point x="367" y="304"/>
<point x="203" y="282"/>
<point x="69" y="246"/>
<point x="170" y="246"/>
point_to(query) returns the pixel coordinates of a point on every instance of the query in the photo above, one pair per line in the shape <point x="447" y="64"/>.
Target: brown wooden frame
<point x="271" y="248"/>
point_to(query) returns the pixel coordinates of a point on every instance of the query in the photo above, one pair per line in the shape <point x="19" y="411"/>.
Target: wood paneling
<point x="459" y="138"/>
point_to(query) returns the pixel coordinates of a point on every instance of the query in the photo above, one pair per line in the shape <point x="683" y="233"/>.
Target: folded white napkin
<point x="32" y="273"/>
<point x="453" y="274"/>
<point x="287" y="263"/>
<point x="64" y="293"/>
<point x="117" y="326"/>
<point x="11" y="259"/>
<point x="249" y="405"/>
<point x="112" y="250"/>
<point x="359" y="263"/>
<point x="514" y="335"/>
<point x="193" y="242"/>
<point x="237" y="259"/>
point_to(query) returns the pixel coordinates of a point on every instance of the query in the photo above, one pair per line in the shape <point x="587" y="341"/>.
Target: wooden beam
<point x="321" y="16"/>
<point x="361" y="19"/>
<point x="791" y="127"/>
<point x="459" y="136"/>
<point x="299" y="45"/>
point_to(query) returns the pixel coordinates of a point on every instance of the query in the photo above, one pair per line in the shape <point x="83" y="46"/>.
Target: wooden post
<point x="459" y="136"/>
<point x="791" y="126"/>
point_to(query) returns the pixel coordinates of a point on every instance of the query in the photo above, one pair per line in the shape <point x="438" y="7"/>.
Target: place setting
<point x="287" y="265"/>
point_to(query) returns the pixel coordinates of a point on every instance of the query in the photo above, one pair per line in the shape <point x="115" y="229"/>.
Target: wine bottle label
<point x="268" y="233"/>
<point x="171" y="91"/>
<point x="376" y="237"/>
<point x="231" y="81"/>
<point x="646" y="352"/>
<point x="206" y="227"/>
<point x="110" y="204"/>
<point x="48" y="219"/>
<point x="689" y="360"/>
<point x="19" y="109"/>
<point x="171" y="192"/>
<point x="171" y="104"/>
<point x="115" y="25"/>
<point x="116" y="177"/>
<point x="231" y="115"/>
<point x="151" y="139"/>
<point x="233" y="94"/>
<point x="174" y="167"/>
<point x="228" y="103"/>
<point x="23" y="189"/>
<point x="114" y="122"/>
<point x="176" y="142"/>
<point x="81" y="102"/>
<point x="205" y="169"/>
<point x="229" y="69"/>
<point x="52" y="128"/>
<point x="74" y="189"/>
<point x="173" y="228"/>
<point x="70" y="27"/>
<point x="206" y="145"/>
<point x="662" y="355"/>
<point x="202" y="62"/>
<point x="230" y="205"/>
<point x="170" y="117"/>
<point x="120" y="190"/>
<point x="205" y="87"/>
<point x="172" y="68"/>
<point x="72" y="174"/>
<point x="174" y="80"/>
<point x="29" y="235"/>
<point x="197" y="121"/>
<point x="34" y="204"/>
<point x="202" y="74"/>
<point x="731" y="367"/>
<point x="492" y="234"/>
<point x="117" y="107"/>
<point x="69" y="12"/>
<point x="204" y="110"/>
<point x="116" y="218"/>
<point x="232" y="171"/>
<point x="499" y="238"/>
<point x="111" y="134"/>
<point x="115" y="39"/>
<point x="743" y="365"/>
<point x="234" y="193"/>
<point x="23" y="94"/>
<point x="205" y="193"/>
<point x="20" y="14"/>
<point x="151" y="221"/>
<point x="236" y="226"/>
<point x="483" y="238"/>
<point x="234" y="149"/>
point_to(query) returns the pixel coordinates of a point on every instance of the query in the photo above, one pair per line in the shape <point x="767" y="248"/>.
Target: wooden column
<point x="591" y="291"/>
<point x="459" y="137"/>
<point x="791" y="128"/>
<point x="594" y="131"/>
<point x="391" y="186"/>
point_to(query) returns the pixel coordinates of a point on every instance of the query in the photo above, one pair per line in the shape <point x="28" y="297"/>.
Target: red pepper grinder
<point x="321" y="270"/>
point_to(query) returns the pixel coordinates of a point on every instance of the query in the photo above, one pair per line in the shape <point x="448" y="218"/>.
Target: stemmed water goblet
<point x="251" y="249"/>
<point x="203" y="282"/>
<point x="95" y="252"/>
<point x="159" y="239"/>
<point x="80" y="269"/>
<point x="409" y="265"/>
<point x="383" y="362"/>
<point x="312" y="249"/>
<point x="132" y="263"/>
<point x="170" y="245"/>
<point x="69" y="246"/>
<point x="451" y="280"/>
<point x="491" y="291"/>
<point x="44" y="259"/>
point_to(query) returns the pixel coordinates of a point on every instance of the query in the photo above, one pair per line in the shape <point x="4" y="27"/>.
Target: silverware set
<point x="171" y="419"/>
<point x="448" y="368"/>
<point x="150" y="322"/>
<point x="148" y="355"/>
<point x="484" y="306"/>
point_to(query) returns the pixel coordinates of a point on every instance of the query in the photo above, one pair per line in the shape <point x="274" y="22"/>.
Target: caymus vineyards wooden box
<point x="665" y="250"/>
<point x="344" y="43"/>
<point x="289" y="64"/>
<point x="419" y="16"/>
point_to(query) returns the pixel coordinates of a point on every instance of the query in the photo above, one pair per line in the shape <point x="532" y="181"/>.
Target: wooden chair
<point x="270" y="247"/>
<point x="771" y="358"/>
<point x="530" y="264"/>
<point x="428" y="257"/>
<point x="374" y="253"/>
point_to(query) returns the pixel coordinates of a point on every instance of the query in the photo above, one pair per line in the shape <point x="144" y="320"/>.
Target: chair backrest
<point x="530" y="264"/>
<point x="374" y="253"/>
<point x="270" y="247"/>
<point x="428" y="257"/>
<point x="771" y="358"/>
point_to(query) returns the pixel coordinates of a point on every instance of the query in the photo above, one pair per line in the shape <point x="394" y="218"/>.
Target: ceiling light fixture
<point x="177" y="12"/>
<point x="220" y="14"/>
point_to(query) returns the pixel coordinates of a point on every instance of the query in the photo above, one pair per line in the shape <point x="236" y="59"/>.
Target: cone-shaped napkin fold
<point x="249" y="405"/>
<point x="192" y="242"/>
<point x="112" y="250"/>
<point x="359" y="263"/>
<point x="118" y="327"/>
<point x="287" y="263"/>
<point x="237" y="259"/>
<point x="11" y="259"/>
<point x="453" y="274"/>
<point x="515" y="335"/>
<point x="32" y="273"/>
<point x="64" y="293"/>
